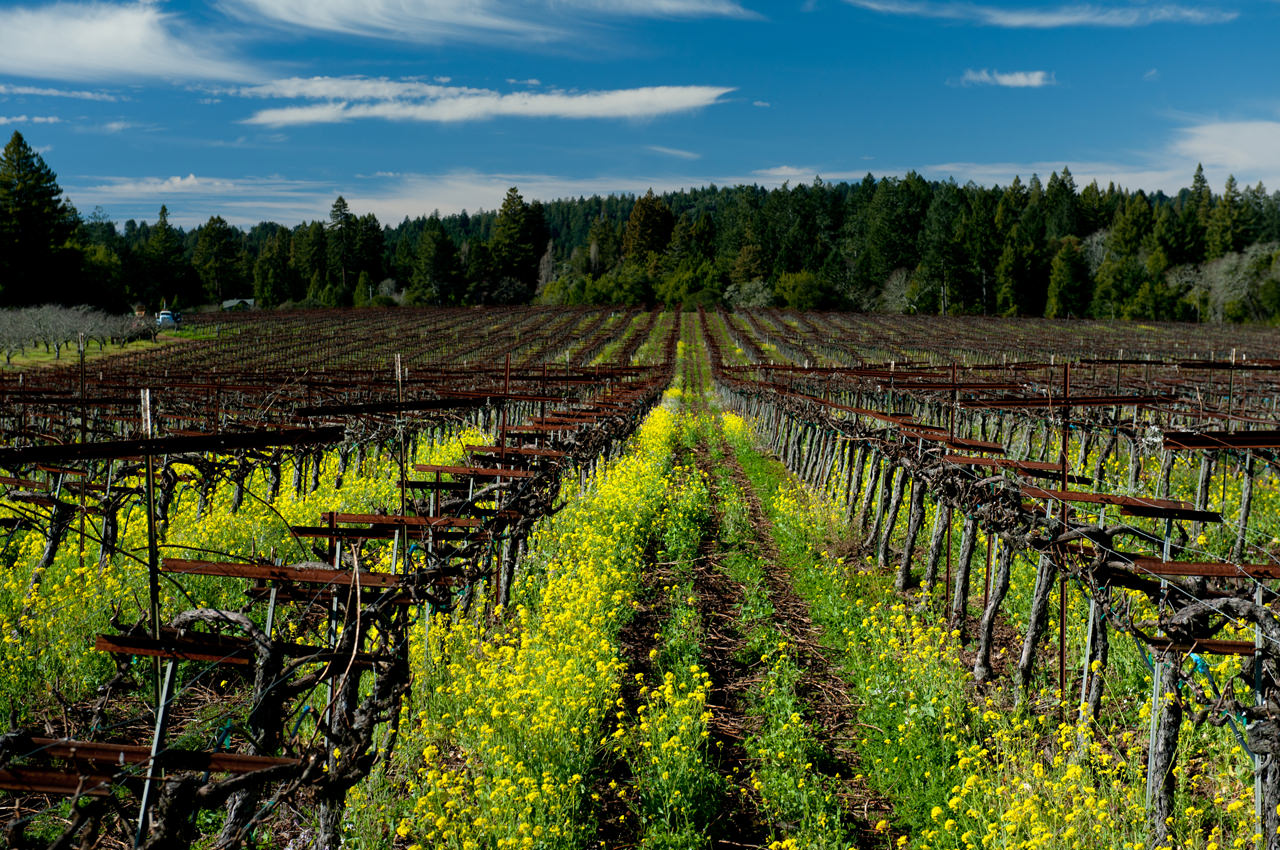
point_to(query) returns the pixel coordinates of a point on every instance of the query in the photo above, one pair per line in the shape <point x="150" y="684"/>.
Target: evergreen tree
<point x="1061" y="206"/>
<point x="309" y="258"/>
<point x="1069" y="283"/>
<point x="517" y="244"/>
<point x="341" y="247"/>
<point x="437" y="269"/>
<point x="216" y="260"/>
<point x="1015" y="276"/>
<point x="1196" y="209"/>
<point x="1223" y="228"/>
<point x="272" y="284"/>
<point x="648" y="228"/>
<point x="36" y="222"/>
<point x="168" y="278"/>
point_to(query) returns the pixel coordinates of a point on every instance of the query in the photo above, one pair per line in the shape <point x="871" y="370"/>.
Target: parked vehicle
<point x="166" y="319"/>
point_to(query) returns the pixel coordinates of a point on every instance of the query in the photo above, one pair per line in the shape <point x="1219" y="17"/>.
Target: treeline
<point x="896" y="244"/>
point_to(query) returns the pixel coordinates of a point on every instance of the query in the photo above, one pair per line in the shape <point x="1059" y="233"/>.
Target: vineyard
<point x="572" y="577"/>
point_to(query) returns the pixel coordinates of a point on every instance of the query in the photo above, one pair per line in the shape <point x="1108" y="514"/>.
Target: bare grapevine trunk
<point x="915" y="516"/>
<point x="986" y="628"/>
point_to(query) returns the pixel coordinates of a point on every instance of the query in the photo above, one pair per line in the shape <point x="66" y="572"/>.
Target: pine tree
<point x="437" y="271"/>
<point x="167" y="271"/>
<point x="519" y="237"/>
<point x="271" y="281"/>
<point x="1061" y="206"/>
<point x="1069" y="284"/>
<point x="35" y="224"/>
<point x="341" y="250"/>
<point x="1221" y="234"/>
<point x="216" y="259"/>
<point x="648" y="229"/>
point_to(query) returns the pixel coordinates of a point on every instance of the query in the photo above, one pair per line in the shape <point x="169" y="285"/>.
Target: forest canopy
<point x="898" y="244"/>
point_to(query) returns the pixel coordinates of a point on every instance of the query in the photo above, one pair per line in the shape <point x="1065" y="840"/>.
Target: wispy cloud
<point x="391" y="196"/>
<point x="1152" y="75"/>
<point x="1008" y="79"/>
<point x="112" y="127"/>
<point x="193" y="199"/>
<point x="676" y="152"/>
<point x="30" y="119"/>
<point x="1250" y="150"/>
<point x="350" y="99"/>
<point x="97" y="40"/>
<point x="763" y="104"/>
<point x="667" y="8"/>
<point x="439" y="21"/>
<point x="1052" y="17"/>
<point x="35" y="91"/>
<point x="350" y="88"/>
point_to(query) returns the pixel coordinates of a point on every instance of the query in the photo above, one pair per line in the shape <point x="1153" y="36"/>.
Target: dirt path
<point x="834" y="711"/>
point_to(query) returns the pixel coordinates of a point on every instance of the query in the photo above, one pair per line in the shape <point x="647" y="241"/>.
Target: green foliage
<point x="799" y="290"/>
<point x="648" y="229"/>
<point x="215" y="258"/>
<point x="891" y="243"/>
<point x="1069" y="283"/>
<point x="36" y="222"/>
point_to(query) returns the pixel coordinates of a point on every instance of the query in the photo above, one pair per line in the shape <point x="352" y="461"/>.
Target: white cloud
<point x="349" y="88"/>
<point x="30" y="119"/>
<point x="676" y="152"/>
<point x="666" y="8"/>
<point x="424" y="21"/>
<point x="1009" y="79"/>
<point x="90" y="41"/>
<point x="34" y="91"/>
<point x="763" y="104"/>
<point x="532" y="81"/>
<point x="391" y="196"/>
<point x="193" y="199"/>
<point x="460" y="104"/>
<point x="1244" y="148"/>
<point x="1250" y="150"/>
<point x="437" y="21"/>
<point x="1051" y="17"/>
<point x="1152" y="75"/>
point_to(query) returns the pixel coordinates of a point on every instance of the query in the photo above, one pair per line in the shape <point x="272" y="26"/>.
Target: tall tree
<point x="1061" y="206"/>
<point x="272" y="282"/>
<point x="1221" y="234"/>
<point x="342" y="250"/>
<point x="1069" y="283"/>
<point x="1196" y="209"/>
<point x="36" y="222"/>
<point x="168" y="277"/>
<point x="519" y="237"/>
<point x="215" y="260"/>
<point x="648" y="229"/>
<point x="309" y="258"/>
<point x="437" y="270"/>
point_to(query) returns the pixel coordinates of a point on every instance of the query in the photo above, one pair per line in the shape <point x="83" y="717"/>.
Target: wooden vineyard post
<point x="153" y="549"/>
<point x="1062" y="579"/>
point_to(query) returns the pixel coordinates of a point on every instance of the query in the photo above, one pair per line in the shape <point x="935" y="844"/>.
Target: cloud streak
<point x="90" y="41"/>
<point x="1051" y="17"/>
<point x="391" y="100"/>
<point x="440" y="21"/>
<point x="1250" y="150"/>
<point x="30" y="119"/>
<point x="35" y="91"/>
<point x="1010" y="79"/>
<point x="675" y="152"/>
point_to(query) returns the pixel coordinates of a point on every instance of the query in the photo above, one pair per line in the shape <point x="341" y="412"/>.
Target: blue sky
<point x="268" y="109"/>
